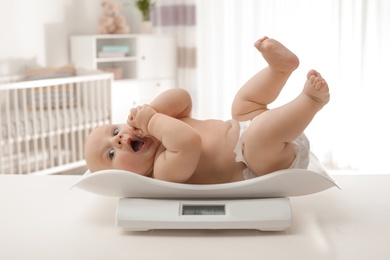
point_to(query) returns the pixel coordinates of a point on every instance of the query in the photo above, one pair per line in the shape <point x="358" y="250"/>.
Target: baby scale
<point x="260" y="203"/>
<point x="267" y="214"/>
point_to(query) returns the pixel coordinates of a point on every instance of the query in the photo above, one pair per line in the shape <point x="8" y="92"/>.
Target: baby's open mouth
<point x="136" y="145"/>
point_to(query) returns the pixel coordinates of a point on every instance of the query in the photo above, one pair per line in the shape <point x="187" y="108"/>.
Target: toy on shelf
<point x="111" y="21"/>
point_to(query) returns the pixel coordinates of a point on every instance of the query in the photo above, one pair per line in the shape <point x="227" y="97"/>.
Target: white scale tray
<point x="142" y="199"/>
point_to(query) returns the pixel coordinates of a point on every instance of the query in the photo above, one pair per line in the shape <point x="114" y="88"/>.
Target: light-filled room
<point x="171" y="129"/>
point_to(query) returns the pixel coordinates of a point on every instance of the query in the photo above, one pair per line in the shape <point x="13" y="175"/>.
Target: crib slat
<point x="41" y="127"/>
<point x="17" y="129"/>
<point x="107" y="101"/>
<point x="65" y="123"/>
<point x="98" y="102"/>
<point x="81" y="119"/>
<point x="26" y="130"/>
<point x="94" y="108"/>
<point x="73" y="123"/>
<point x="87" y="114"/>
<point x="34" y="132"/>
<point x="53" y="154"/>
<point x="44" y="133"/>
<point x="2" y="139"/>
<point x="9" y="149"/>
<point x="102" y="99"/>
<point x="51" y="127"/>
<point x="58" y="148"/>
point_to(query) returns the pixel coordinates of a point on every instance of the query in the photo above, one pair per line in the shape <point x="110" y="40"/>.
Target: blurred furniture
<point x="144" y="65"/>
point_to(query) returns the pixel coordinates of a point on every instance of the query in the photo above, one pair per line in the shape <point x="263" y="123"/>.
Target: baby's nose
<point x="119" y="140"/>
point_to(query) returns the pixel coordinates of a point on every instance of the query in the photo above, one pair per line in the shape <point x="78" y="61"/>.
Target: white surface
<point x="41" y="219"/>
<point x="267" y="214"/>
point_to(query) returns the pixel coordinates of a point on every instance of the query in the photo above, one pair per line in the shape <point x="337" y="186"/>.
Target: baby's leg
<point x="268" y="140"/>
<point x="264" y="87"/>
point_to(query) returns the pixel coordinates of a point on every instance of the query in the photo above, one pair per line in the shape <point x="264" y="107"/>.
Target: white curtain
<point x="348" y="41"/>
<point x="178" y="17"/>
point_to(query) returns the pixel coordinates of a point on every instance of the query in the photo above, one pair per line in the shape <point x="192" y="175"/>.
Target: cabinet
<point x="147" y="69"/>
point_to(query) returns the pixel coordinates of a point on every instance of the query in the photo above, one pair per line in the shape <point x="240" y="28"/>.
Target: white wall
<point x="36" y="32"/>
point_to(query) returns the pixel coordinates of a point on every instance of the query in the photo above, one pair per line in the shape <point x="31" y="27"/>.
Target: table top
<point x="41" y="218"/>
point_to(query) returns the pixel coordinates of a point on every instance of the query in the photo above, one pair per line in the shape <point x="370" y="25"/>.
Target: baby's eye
<point x="116" y="132"/>
<point x="111" y="154"/>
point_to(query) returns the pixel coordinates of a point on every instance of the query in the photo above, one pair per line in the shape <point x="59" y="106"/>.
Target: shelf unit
<point x="149" y="56"/>
<point x="148" y="68"/>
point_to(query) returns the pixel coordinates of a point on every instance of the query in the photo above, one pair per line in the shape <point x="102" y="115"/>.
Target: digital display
<point x="194" y="210"/>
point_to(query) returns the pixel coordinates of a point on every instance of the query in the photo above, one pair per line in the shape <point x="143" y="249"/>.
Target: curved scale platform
<point x="283" y="183"/>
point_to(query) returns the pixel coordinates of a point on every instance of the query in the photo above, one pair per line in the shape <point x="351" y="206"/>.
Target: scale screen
<point x="206" y="210"/>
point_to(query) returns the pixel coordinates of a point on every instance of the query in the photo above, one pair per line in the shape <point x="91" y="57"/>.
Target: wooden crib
<point x="44" y="123"/>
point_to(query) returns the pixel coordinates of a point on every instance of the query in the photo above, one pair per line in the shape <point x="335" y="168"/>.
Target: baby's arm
<point x="174" y="102"/>
<point x="182" y="144"/>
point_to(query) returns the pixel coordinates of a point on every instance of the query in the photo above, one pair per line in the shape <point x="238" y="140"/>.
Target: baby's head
<point x="116" y="147"/>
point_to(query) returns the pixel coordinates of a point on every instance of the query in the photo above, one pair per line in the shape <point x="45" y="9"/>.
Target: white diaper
<point x="301" y="147"/>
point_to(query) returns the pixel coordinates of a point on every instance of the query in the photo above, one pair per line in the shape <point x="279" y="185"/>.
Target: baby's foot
<point x="277" y="55"/>
<point x="316" y="88"/>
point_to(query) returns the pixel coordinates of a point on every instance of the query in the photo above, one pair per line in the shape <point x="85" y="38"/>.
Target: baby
<point x="162" y="141"/>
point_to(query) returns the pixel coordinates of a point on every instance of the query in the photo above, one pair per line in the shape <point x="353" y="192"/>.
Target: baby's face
<point x="116" y="147"/>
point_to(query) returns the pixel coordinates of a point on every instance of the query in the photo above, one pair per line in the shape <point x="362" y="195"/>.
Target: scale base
<point x="266" y="214"/>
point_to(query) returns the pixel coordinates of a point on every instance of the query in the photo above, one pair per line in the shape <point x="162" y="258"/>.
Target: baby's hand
<point x="139" y="118"/>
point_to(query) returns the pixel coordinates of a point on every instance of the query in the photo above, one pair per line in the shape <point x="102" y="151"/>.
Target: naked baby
<point x="161" y="140"/>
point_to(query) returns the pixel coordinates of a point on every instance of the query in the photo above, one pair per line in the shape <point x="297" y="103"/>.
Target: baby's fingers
<point x="132" y="115"/>
<point x="133" y="112"/>
<point x="137" y="132"/>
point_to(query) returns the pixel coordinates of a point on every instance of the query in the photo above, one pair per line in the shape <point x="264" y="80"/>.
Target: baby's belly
<point x="217" y="163"/>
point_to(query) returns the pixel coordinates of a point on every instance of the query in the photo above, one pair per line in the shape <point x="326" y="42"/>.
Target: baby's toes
<point x="259" y="42"/>
<point x="312" y="73"/>
<point x="312" y="79"/>
<point x="318" y="84"/>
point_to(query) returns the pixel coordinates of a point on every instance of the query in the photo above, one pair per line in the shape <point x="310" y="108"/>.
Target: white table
<point x="41" y="219"/>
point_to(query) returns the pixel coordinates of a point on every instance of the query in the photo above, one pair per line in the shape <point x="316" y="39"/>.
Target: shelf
<point x="116" y="59"/>
<point x="147" y="56"/>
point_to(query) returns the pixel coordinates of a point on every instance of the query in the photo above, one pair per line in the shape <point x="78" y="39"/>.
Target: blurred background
<point x="346" y="40"/>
